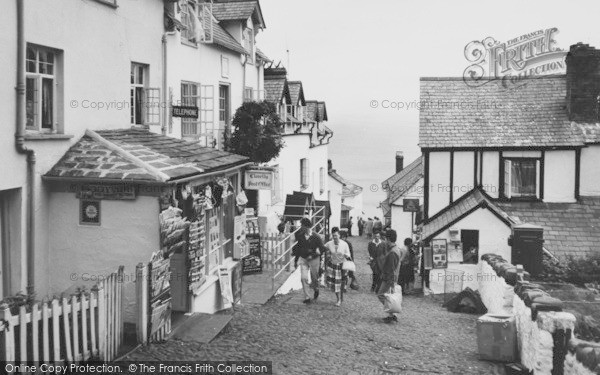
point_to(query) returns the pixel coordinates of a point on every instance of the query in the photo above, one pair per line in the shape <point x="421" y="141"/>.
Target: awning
<point x="299" y="205"/>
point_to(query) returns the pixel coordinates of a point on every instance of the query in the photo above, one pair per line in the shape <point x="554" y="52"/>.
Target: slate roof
<point x="296" y="92"/>
<point x="351" y="189"/>
<point x="261" y="55"/>
<point x="397" y="185"/>
<point x="322" y="112"/>
<point x="590" y="132"/>
<point x="238" y="10"/>
<point x="333" y="173"/>
<point x="325" y="204"/>
<point x="222" y="38"/>
<point x="386" y="208"/>
<point x="275" y="89"/>
<point x="296" y="204"/>
<point x="312" y="110"/>
<point x="569" y="228"/>
<point x="453" y="114"/>
<point x="454" y="212"/>
<point x="139" y="156"/>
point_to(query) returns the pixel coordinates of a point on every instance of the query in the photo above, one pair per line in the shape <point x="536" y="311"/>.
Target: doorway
<point x="470" y="243"/>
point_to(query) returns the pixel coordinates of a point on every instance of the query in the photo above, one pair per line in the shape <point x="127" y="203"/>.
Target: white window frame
<point x="304" y="173"/>
<point x="224" y="66"/>
<point x="248" y="41"/>
<point x="507" y="188"/>
<point x="34" y="75"/>
<point x="322" y="180"/>
<point x="196" y="17"/>
<point x="150" y="101"/>
<point x="248" y="94"/>
<point x="207" y="115"/>
<point x="188" y="98"/>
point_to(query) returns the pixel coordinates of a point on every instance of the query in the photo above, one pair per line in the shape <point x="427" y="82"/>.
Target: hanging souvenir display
<point x="208" y="202"/>
<point x="197" y="254"/>
<point x="217" y="193"/>
<point x="173" y="230"/>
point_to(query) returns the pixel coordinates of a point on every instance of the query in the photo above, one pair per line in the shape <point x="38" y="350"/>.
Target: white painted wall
<point x="493" y="238"/>
<point x="439" y="180"/>
<point x="81" y="254"/>
<point x="590" y="171"/>
<point x="335" y="200"/>
<point x="490" y="173"/>
<point x="401" y="221"/>
<point x="462" y="181"/>
<point x="94" y="73"/>
<point x="559" y="176"/>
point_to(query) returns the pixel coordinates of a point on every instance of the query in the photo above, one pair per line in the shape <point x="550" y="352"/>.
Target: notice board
<point x="252" y="263"/>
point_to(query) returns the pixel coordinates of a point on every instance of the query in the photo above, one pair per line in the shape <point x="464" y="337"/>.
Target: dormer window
<point x="196" y="17"/>
<point x="521" y="178"/>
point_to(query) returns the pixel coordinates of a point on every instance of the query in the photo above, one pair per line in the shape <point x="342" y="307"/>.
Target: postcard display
<point x="160" y="297"/>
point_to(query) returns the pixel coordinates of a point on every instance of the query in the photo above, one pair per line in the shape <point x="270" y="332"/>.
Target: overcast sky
<point x="350" y="53"/>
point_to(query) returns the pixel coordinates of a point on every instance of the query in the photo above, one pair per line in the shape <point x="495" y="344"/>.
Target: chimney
<point x="399" y="161"/>
<point x="583" y="83"/>
<point x="329" y="165"/>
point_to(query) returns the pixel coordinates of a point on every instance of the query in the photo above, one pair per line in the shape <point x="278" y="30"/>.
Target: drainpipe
<point x="164" y="83"/>
<point x="20" y="144"/>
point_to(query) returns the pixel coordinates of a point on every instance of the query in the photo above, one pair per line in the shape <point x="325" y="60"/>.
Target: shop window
<point x="41" y="88"/>
<point x="522" y="178"/>
<point x="190" y="128"/>
<point x="470" y="244"/>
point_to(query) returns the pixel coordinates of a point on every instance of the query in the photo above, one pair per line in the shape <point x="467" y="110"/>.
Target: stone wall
<point x="544" y="331"/>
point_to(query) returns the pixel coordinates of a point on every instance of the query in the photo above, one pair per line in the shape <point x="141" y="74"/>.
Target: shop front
<point x="129" y="197"/>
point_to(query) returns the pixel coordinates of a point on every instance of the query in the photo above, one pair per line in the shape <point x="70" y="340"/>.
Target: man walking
<point x="376" y="249"/>
<point x="377" y="225"/>
<point x="389" y="272"/>
<point x="308" y="253"/>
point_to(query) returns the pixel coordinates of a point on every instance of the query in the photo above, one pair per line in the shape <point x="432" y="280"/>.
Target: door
<point x="224" y="112"/>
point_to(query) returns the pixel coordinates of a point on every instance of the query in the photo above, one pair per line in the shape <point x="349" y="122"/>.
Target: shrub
<point x="578" y="271"/>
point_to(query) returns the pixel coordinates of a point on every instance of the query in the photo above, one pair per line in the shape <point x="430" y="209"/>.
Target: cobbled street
<point x="352" y="339"/>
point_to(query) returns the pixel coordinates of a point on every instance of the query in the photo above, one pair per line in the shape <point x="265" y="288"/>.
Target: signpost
<point x="253" y="262"/>
<point x="258" y="180"/>
<point x="412" y="206"/>
<point x="109" y="192"/>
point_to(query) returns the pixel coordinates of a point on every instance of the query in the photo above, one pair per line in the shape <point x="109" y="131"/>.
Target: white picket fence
<point x="86" y="326"/>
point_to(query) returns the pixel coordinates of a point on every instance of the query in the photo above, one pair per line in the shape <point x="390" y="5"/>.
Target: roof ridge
<point x="127" y="155"/>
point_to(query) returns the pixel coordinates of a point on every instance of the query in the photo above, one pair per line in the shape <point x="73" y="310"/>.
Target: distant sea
<point x="366" y="155"/>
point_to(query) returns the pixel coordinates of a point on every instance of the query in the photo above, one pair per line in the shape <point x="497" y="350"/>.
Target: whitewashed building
<point x="302" y="163"/>
<point x="527" y="156"/>
<point x="212" y="63"/>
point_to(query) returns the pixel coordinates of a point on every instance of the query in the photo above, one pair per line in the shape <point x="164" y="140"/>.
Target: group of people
<point x="391" y="265"/>
<point x="367" y="227"/>
<point x="316" y="258"/>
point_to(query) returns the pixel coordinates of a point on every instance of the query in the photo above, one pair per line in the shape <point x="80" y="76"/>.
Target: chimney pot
<point x="399" y="161"/>
<point x="583" y="83"/>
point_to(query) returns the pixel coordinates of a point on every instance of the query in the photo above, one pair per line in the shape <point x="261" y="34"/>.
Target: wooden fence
<point x="273" y="246"/>
<point x="86" y="326"/>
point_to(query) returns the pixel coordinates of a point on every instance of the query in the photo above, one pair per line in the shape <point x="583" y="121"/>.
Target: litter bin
<point x="497" y="338"/>
<point x="453" y="283"/>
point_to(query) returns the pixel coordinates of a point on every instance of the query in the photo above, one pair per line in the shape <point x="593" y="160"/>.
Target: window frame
<point x="207" y="106"/>
<point x="506" y="175"/>
<point x="150" y="97"/>
<point x="38" y="97"/>
<point x="304" y="173"/>
<point x="185" y="99"/>
<point x="224" y="66"/>
<point x="321" y="180"/>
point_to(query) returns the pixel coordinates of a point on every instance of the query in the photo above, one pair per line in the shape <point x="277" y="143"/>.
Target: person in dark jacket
<point x="389" y="271"/>
<point x="407" y="274"/>
<point x="376" y="249"/>
<point x="307" y="251"/>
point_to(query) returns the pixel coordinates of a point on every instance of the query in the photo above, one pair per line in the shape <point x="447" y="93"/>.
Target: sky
<point x="352" y="53"/>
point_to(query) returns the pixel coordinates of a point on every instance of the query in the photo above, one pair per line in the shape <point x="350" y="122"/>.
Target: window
<point x="207" y="115"/>
<point x="248" y="94"/>
<point x="41" y="88"/>
<point x="322" y="179"/>
<point x="248" y="39"/>
<point x="224" y="67"/>
<point x="145" y="101"/>
<point x="304" y="173"/>
<point x="470" y="245"/>
<point x="522" y="178"/>
<point x="197" y="21"/>
<point x="276" y="192"/>
<point x="190" y="97"/>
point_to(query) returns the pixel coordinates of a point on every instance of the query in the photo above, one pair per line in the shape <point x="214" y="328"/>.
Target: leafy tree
<point x="257" y="132"/>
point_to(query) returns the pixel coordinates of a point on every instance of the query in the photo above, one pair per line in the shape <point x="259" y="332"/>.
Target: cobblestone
<point x="352" y="339"/>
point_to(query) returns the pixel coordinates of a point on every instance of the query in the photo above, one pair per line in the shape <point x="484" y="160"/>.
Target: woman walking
<point x="337" y="252"/>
